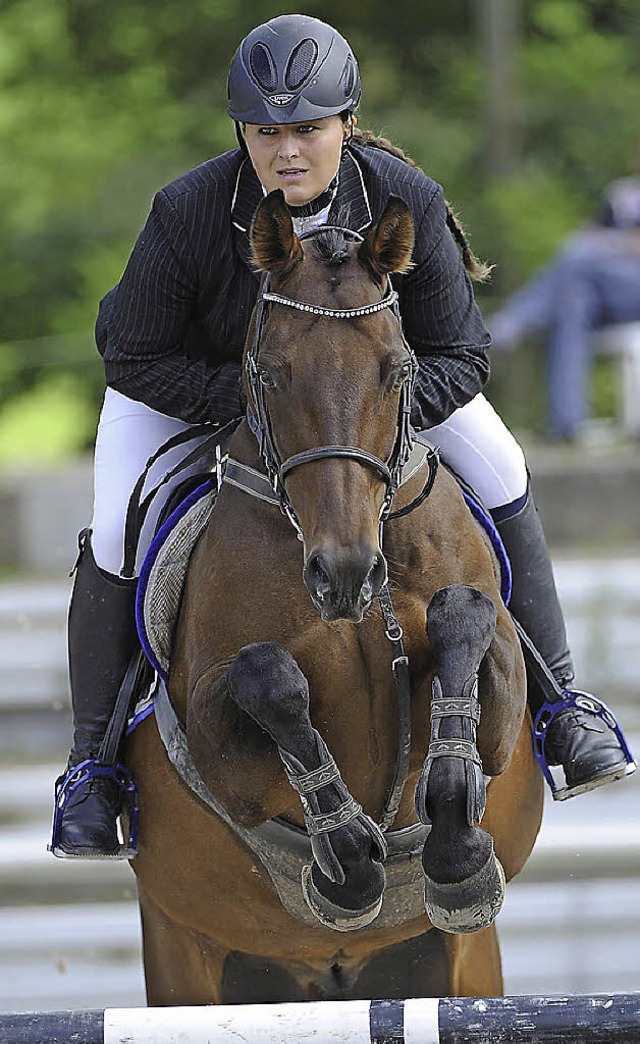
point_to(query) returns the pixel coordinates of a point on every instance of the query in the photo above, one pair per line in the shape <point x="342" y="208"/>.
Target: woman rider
<point x="172" y="334"/>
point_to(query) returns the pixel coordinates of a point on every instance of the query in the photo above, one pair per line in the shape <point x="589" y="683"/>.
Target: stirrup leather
<point x="581" y="701"/>
<point x="82" y="775"/>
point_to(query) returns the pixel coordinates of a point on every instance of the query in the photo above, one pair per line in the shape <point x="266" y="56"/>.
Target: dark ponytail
<point x="478" y="270"/>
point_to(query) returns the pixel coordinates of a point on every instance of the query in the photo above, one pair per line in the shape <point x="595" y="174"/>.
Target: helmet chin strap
<point x="240" y="136"/>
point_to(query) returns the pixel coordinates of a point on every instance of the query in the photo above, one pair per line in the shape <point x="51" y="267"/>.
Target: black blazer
<point x="172" y="331"/>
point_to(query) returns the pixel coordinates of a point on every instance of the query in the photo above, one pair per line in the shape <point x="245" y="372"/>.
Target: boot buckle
<point x="81" y="775"/>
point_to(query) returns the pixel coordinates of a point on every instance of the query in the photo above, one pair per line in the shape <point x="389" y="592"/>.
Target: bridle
<point x="260" y="421"/>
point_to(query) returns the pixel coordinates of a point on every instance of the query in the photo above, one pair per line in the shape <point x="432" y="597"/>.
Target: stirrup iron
<point x="82" y="775"/>
<point x="587" y="702"/>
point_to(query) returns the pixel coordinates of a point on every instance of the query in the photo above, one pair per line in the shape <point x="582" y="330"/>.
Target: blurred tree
<point x="100" y="104"/>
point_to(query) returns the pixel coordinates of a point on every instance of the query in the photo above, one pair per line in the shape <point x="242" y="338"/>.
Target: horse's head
<point x="331" y="391"/>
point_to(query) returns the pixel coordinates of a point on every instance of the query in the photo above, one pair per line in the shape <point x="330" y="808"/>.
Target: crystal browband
<point x="334" y="313"/>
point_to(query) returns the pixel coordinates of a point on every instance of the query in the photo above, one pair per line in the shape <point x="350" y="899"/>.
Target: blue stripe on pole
<point x="595" y="1019"/>
<point x="52" y="1027"/>
<point x="386" y="1022"/>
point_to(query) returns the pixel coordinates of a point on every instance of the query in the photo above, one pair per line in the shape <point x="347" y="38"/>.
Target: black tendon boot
<point x="573" y="728"/>
<point x="102" y="642"/>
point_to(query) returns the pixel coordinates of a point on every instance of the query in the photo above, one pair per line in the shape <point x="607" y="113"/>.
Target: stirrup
<point x="582" y="701"/>
<point x="82" y="774"/>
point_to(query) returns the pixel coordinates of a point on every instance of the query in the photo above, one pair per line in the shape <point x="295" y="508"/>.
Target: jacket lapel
<point x="247" y="194"/>
<point x="351" y="207"/>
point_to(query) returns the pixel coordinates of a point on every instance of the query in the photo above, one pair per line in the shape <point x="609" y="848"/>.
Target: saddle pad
<point x="163" y="574"/>
<point x="485" y="521"/>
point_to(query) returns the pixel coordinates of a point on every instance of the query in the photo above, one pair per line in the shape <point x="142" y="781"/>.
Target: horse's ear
<point x="274" y="243"/>
<point x="389" y="245"/>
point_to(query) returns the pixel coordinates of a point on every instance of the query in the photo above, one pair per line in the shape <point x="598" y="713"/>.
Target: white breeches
<point x="128" y="434"/>
<point x="477" y="444"/>
<point x="474" y="441"/>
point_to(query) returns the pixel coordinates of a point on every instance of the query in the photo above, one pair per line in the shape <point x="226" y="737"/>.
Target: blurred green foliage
<point x="101" y="104"/>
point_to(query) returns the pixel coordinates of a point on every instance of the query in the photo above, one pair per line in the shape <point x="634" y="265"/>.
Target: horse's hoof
<point x="470" y="905"/>
<point x="332" y="916"/>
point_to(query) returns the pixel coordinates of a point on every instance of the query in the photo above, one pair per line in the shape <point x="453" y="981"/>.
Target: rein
<point x="389" y="470"/>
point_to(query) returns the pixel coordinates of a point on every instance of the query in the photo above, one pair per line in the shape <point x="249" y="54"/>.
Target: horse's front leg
<point x="344" y="885"/>
<point x="464" y="882"/>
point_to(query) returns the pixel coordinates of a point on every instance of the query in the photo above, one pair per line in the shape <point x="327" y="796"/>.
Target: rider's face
<point x="299" y="158"/>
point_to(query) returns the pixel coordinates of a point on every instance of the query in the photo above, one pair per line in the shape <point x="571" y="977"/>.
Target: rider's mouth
<point x="291" y="173"/>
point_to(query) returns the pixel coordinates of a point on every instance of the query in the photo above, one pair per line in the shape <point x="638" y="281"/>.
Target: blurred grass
<point x="47" y="423"/>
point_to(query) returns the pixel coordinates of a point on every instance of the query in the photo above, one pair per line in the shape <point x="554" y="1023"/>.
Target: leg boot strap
<point x="468" y="707"/>
<point x="320" y="825"/>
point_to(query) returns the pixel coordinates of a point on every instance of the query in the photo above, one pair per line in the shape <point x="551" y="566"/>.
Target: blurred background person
<point x="593" y="281"/>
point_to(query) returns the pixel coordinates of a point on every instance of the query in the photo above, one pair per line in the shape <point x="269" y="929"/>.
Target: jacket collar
<point x="350" y="207"/>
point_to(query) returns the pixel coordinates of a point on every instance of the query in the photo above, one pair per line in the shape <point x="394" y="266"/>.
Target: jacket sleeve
<point x="442" y="323"/>
<point x="143" y="322"/>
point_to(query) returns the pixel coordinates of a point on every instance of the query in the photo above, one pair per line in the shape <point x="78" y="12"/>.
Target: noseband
<point x="260" y="422"/>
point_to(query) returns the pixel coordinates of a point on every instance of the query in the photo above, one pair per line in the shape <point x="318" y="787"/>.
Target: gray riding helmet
<point x="291" y="69"/>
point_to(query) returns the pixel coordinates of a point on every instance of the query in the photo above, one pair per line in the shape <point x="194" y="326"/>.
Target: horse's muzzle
<point x="343" y="586"/>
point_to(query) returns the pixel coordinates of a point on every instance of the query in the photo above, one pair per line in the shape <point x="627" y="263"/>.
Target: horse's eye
<point x="400" y="376"/>
<point x="265" y="378"/>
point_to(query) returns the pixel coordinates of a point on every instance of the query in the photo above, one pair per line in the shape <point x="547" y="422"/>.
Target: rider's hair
<point x="478" y="270"/>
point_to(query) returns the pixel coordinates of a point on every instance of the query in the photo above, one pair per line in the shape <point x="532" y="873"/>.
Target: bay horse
<point x="291" y="662"/>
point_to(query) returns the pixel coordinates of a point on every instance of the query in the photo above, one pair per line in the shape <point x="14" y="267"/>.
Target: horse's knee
<point x="460" y="616"/>
<point x="265" y="680"/>
<point x="265" y="665"/>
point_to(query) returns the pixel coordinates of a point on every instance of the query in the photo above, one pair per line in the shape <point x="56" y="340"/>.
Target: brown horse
<point x="282" y="675"/>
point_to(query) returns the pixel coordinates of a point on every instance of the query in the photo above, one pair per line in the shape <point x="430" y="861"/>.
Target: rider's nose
<point x="288" y="147"/>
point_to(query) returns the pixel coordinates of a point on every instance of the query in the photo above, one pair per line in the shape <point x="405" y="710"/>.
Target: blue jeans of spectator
<point x="588" y="285"/>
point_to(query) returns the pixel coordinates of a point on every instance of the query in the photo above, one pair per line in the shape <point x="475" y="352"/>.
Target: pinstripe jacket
<point x="172" y="331"/>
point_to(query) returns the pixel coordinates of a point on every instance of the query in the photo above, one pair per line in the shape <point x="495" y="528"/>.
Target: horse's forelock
<point x="331" y="246"/>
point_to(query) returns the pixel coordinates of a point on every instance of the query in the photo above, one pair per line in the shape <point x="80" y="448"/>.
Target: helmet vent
<point x="348" y="78"/>
<point x="263" y="67"/>
<point x="301" y="62"/>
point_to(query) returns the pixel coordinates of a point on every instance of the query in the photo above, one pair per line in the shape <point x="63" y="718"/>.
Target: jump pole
<point x="591" y="1019"/>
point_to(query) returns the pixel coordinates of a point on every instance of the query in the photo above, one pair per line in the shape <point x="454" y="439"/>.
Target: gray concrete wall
<point x="588" y="501"/>
<point x="42" y="513"/>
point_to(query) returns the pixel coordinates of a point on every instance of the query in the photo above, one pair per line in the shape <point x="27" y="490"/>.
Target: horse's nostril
<point x="376" y="577"/>
<point x="318" y="577"/>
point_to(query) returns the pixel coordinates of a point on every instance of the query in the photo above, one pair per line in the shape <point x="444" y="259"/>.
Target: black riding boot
<point x="102" y="640"/>
<point x="583" y="737"/>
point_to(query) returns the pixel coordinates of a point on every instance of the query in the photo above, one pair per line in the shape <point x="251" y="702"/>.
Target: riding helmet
<point x="291" y="69"/>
